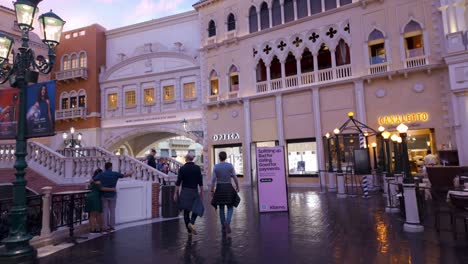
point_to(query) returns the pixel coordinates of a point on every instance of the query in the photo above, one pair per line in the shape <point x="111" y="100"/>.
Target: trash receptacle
<point x="169" y="207"/>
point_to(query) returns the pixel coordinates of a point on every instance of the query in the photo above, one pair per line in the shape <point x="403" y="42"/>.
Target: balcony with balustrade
<point x="71" y="113"/>
<point x="306" y="78"/>
<point x="415" y="58"/>
<point x="72" y="74"/>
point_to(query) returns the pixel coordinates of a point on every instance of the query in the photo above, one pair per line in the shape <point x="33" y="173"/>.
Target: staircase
<point x="76" y="166"/>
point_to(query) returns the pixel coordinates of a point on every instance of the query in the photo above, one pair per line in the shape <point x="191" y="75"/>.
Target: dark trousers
<point x="189" y="219"/>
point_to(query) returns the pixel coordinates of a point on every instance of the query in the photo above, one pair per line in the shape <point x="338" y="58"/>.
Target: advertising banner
<point x="8" y="113"/>
<point x="271" y="180"/>
<point x="40" y="113"/>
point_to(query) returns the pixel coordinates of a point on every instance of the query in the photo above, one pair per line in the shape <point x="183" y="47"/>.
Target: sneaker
<point x="192" y="228"/>
<point x="228" y="228"/>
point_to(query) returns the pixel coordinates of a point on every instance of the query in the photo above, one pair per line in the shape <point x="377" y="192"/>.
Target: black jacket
<point x="189" y="176"/>
<point x="151" y="161"/>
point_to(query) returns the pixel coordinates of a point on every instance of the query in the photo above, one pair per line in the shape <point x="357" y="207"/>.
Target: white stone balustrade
<point x="292" y="81"/>
<point x="378" y="68"/>
<point x="415" y="62"/>
<point x="75" y="168"/>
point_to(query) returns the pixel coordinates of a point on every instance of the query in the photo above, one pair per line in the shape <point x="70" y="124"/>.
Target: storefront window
<point x="234" y="156"/>
<point x="302" y="157"/>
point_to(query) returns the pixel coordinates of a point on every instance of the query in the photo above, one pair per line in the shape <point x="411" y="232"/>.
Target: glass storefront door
<point x="234" y="156"/>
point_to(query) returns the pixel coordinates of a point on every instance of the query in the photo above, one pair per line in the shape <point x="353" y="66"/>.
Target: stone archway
<point x="113" y="138"/>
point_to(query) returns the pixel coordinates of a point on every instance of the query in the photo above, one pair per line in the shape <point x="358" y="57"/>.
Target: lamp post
<point x="382" y="148"/>
<point x="72" y="142"/>
<point x="386" y="136"/>
<point x="24" y="69"/>
<point x="330" y="163"/>
<point x="336" y="131"/>
<point x="374" y="152"/>
<point x="403" y="129"/>
<point x="397" y="168"/>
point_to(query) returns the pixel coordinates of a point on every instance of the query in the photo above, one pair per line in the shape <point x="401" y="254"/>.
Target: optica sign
<point x="403" y="118"/>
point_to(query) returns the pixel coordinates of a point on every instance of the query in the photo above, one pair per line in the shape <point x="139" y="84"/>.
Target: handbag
<point x="198" y="207"/>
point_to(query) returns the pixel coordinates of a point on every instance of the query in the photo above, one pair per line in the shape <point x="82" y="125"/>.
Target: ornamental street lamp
<point x="24" y="69"/>
<point x="386" y="136"/>
<point x="403" y="129"/>
<point x="336" y="131"/>
<point x="330" y="163"/>
<point x="396" y="151"/>
<point x="72" y="142"/>
<point x="374" y="152"/>
<point x="382" y="148"/>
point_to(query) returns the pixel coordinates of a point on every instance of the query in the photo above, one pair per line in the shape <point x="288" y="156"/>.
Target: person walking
<point x="191" y="195"/>
<point x="108" y="179"/>
<point x="224" y="194"/>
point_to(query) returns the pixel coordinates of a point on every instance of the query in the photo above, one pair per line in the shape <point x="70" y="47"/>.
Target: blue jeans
<point x="222" y="217"/>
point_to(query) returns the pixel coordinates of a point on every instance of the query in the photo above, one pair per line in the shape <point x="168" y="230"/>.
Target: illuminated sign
<point x="228" y="136"/>
<point x="403" y="118"/>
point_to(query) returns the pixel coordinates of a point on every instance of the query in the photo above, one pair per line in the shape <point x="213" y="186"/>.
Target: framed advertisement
<point x="8" y="113"/>
<point x="40" y="110"/>
<point x="271" y="180"/>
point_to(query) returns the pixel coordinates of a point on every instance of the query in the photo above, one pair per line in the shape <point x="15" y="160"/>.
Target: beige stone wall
<point x="298" y="116"/>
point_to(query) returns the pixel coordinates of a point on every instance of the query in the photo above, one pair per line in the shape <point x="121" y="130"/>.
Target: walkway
<point x="319" y="229"/>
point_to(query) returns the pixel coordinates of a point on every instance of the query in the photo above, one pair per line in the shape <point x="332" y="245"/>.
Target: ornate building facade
<point x="286" y="72"/>
<point x="150" y="87"/>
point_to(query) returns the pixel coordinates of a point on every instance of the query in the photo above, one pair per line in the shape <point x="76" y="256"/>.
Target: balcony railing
<point x="325" y="75"/>
<point x="343" y="71"/>
<point x="378" y="68"/>
<point x="291" y="81"/>
<point x="72" y="113"/>
<point x="231" y="34"/>
<point x="72" y="74"/>
<point x="262" y="87"/>
<point x="276" y="84"/>
<point x="307" y="78"/>
<point x="415" y="62"/>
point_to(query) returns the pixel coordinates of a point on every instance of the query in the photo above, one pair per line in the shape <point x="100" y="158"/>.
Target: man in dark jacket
<point x="151" y="158"/>
<point x="191" y="195"/>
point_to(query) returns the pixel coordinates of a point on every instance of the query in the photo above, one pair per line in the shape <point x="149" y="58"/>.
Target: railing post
<point x="69" y="168"/>
<point x="46" y="202"/>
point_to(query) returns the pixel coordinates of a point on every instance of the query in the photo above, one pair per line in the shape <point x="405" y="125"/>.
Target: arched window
<point x="275" y="68"/>
<point x="342" y="53"/>
<point x="414" y="44"/>
<point x="83" y="60"/>
<point x="233" y="79"/>
<point x="214" y="83"/>
<point x="302" y="8"/>
<point x="330" y="4"/>
<point x="82" y="98"/>
<point x="291" y="65"/>
<point x="231" y="22"/>
<point x="315" y="6"/>
<point x="74" y="61"/>
<point x="73" y="99"/>
<point x="253" y="22"/>
<point x="376" y="43"/>
<point x="288" y="11"/>
<point x="66" y="63"/>
<point x="261" y="71"/>
<point x="276" y="12"/>
<point x="211" y="29"/>
<point x="64" y="101"/>
<point x="307" y="61"/>
<point x="264" y="16"/>
<point x="324" y="57"/>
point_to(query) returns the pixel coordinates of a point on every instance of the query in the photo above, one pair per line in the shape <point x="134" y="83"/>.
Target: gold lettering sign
<point x="403" y="118"/>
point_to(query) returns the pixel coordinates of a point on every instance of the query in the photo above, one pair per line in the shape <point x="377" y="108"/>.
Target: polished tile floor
<point x="319" y="229"/>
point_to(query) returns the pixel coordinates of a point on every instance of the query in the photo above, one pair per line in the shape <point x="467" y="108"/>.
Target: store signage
<point x="271" y="180"/>
<point x="227" y="136"/>
<point x="403" y="118"/>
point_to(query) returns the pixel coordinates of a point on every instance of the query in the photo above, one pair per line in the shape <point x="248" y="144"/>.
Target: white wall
<point x="133" y="201"/>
